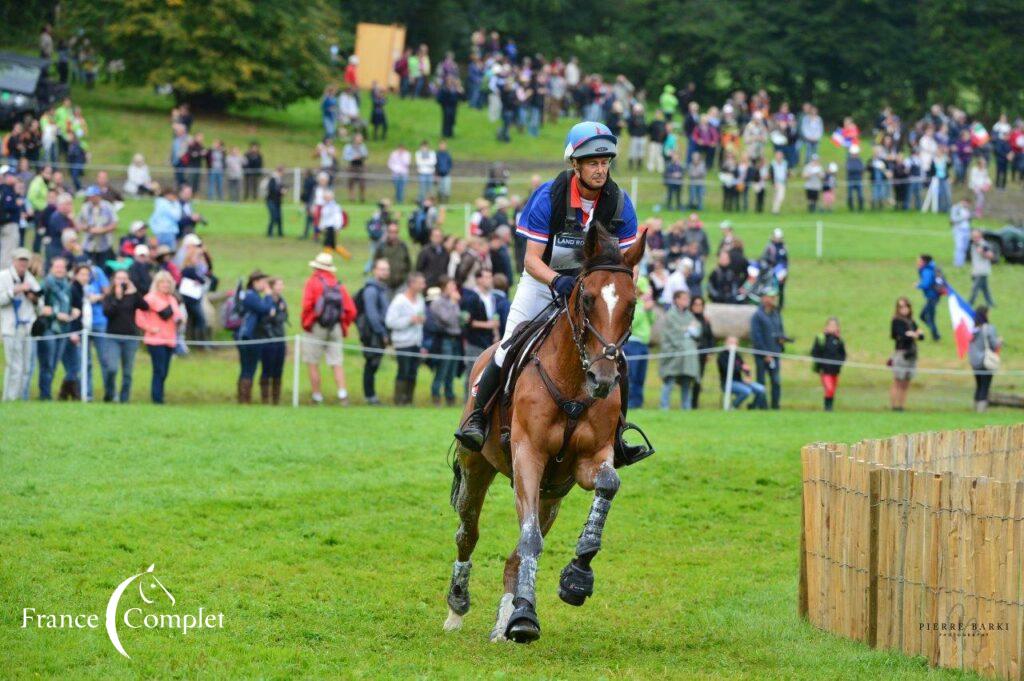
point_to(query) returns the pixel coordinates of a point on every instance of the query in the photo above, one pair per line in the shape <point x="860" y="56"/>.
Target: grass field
<point x="327" y="542"/>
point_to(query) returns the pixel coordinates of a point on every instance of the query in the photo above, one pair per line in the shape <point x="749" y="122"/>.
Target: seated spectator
<point x="742" y="387"/>
<point x="139" y="181"/>
<point x="723" y="287"/>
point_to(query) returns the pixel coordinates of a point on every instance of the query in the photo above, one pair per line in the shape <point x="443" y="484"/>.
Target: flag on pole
<point x="962" y="317"/>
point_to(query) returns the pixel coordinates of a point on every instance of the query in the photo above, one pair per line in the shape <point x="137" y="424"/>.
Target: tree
<point x="216" y="53"/>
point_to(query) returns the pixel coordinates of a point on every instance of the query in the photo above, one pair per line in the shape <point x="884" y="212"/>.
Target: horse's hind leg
<point x="468" y="498"/>
<point x="577" y="579"/>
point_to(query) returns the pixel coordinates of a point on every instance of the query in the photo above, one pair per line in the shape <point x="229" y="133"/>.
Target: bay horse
<point x="564" y="414"/>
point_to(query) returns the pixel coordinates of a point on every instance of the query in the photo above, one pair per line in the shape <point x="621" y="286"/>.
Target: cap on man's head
<point x="93" y="190"/>
<point x="192" y="240"/>
<point x="776" y="233"/>
<point x="21" y="254"/>
<point x="725" y="224"/>
<point x="141" y="249"/>
<point x="138" y="226"/>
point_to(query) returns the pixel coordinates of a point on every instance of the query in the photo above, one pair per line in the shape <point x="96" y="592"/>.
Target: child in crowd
<point x="831" y="351"/>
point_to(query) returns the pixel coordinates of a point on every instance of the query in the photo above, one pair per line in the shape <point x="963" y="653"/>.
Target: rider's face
<point x="593" y="171"/>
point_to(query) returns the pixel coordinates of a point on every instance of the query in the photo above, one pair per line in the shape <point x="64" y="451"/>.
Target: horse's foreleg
<point x="548" y="513"/>
<point x="523" y="625"/>
<point x="577" y="580"/>
<point x="477" y="475"/>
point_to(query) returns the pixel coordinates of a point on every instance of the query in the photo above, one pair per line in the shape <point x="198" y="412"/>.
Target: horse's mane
<point x="602" y="248"/>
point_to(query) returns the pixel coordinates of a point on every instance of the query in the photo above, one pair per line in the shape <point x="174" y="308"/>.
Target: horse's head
<point x="601" y="307"/>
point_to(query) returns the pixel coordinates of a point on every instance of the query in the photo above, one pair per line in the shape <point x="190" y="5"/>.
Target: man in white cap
<point x="12" y="205"/>
<point x="776" y="256"/>
<point x="99" y="220"/>
<point x="136" y="237"/>
<point x="327" y="312"/>
<point x="20" y="300"/>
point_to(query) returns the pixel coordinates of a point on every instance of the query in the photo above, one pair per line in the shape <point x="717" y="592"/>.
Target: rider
<point x="554" y="222"/>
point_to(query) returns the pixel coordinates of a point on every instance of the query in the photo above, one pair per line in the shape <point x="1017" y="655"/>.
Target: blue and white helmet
<point x="590" y="140"/>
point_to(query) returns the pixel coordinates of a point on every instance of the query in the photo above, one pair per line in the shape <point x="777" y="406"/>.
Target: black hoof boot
<point x="575" y="584"/>
<point x="523" y="625"/>
<point x="472" y="433"/>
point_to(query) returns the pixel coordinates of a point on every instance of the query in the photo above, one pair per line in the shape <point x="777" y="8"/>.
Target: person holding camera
<point x="20" y="300"/>
<point x="119" y="306"/>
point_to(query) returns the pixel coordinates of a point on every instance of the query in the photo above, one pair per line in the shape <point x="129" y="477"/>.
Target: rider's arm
<point x="534" y="263"/>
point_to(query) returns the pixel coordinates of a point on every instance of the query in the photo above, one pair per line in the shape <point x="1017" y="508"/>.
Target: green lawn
<point x="325" y="539"/>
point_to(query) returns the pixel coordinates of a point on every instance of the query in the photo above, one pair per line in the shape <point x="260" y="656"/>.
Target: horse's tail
<point x="456" y="474"/>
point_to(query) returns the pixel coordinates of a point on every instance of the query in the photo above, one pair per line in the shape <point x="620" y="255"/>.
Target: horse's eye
<point x="588" y="300"/>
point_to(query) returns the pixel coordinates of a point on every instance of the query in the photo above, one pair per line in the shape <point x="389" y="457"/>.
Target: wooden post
<point x="874" y="495"/>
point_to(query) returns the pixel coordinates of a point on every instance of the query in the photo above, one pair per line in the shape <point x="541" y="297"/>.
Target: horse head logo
<point x="148" y="585"/>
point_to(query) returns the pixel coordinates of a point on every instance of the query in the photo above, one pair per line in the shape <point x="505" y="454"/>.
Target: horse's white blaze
<point x="611" y="297"/>
<point x="501" y="623"/>
<point x="453" y="622"/>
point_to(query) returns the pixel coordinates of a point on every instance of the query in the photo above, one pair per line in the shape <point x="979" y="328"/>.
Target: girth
<point x="574" y="409"/>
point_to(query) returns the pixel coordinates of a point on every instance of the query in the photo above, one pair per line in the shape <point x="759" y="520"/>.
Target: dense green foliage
<point x="849" y="56"/>
<point x="325" y="538"/>
<point x="216" y="53"/>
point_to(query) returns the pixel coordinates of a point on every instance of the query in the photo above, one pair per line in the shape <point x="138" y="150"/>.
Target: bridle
<point x="611" y="352"/>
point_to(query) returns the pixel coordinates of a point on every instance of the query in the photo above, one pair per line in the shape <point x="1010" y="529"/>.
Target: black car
<point x="1007" y="243"/>
<point x="25" y="87"/>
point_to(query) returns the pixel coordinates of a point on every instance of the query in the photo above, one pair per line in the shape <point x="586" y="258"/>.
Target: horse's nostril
<point x="591" y="376"/>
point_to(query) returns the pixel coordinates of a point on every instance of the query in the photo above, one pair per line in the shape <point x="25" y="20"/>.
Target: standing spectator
<point x="776" y="256"/>
<point x="422" y="76"/>
<point x="679" y="342"/>
<point x="327" y="312"/>
<point x="668" y="101"/>
<point x="880" y="176"/>
<point x="88" y="287"/>
<point x="401" y="68"/>
<point x="446" y="316"/>
<point x="481" y="326"/>
<point x="656" y="133"/>
<point x="674" y="183"/>
<point x="741" y="387"/>
<point x="331" y="222"/>
<point x="256" y="306"/>
<point x="20" y="301"/>
<point x="960" y="219"/>
<point x="398" y="163"/>
<point x="698" y="173"/>
<point x="12" y="206"/>
<point x="356" y="153"/>
<point x="59" y="314"/>
<point x="195" y="154"/>
<point x="253" y="167"/>
<point x="158" y="322"/>
<point x="189" y="218"/>
<point x="396" y="253"/>
<point x="275" y="192"/>
<point x="979" y="184"/>
<point x="637" y="127"/>
<point x="762" y="176"/>
<point x="273" y="352"/>
<point x="378" y="114"/>
<point x="165" y="220"/>
<point x="448" y="97"/>
<point x="119" y="306"/>
<point x="931" y="283"/>
<point x="404" y="319"/>
<point x="814" y="176"/>
<point x="234" y="165"/>
<point x="215" y="158"/>
<point x="829" y="347"/>
<point x="983" y="354"/>
<point x="329" y="111"/>
<point x="373" y="332"/>
<point x="99" y="220"/>
<point x="705" y="342"/>
<point x="811" y="130"/>
<point x="903" y="331"/>
<point x="637" y="346"/>
<point x="444" y="172"/>
<point x="426" y="166"/>
<point x="854" y="179"/>
<point x="193" y="285"/>
<point x="77" y="158"/>
<point x="433" y="259"/>
<point x="768" y="338"/>
<point x="780" y="172"/>
<point x="981" y="267"/>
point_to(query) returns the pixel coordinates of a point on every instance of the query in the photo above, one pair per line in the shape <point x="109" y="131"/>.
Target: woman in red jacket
<point x="159" y="330"/>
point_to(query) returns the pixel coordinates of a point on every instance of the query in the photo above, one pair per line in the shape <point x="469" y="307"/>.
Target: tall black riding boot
<point x="626" y="453"/>
<point x="473" y="431"/>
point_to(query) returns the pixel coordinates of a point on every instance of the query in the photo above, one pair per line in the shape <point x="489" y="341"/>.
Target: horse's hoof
<point x="575" y="584"/>
<point x="523" y="625"/>
<point x="454" y="621"/>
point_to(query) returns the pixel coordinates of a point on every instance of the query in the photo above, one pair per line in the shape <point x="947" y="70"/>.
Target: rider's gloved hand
<point x="563" y="285"/>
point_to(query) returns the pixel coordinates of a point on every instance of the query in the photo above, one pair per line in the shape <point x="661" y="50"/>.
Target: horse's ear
<point x="635" y="252"/>
<point x="592" y="242"/>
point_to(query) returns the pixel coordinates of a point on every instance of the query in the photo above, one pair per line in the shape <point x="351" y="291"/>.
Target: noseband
<point x="609" y="351"/>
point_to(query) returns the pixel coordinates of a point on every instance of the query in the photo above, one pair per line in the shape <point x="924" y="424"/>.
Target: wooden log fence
<point x="915" y="543"/>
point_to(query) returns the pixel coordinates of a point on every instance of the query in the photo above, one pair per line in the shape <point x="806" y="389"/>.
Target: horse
<point x="555" y="442"/>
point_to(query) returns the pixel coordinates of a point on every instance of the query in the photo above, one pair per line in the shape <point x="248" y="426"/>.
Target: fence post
<point x="819" y="246"/>
<point x="634" y="190"/>
<point x="295" y="370"/>
<point x="83" y="376"/>
<point x="296" y="185"/>
<point x="727" y="396"/>
<point x="874" y="499"/>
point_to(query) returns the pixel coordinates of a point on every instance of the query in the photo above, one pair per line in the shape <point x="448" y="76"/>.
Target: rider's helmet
<point x="589" y="140"/>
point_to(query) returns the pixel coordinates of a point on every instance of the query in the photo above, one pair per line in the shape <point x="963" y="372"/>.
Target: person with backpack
<point x="254" y="305"/>
<point x="932" y="284"/>
<point x="422" y="220"/>
<point x="829" y="347"/>
<point x="273" y="352"/>
<point x="372" y="308"/>
<point x="327" y="312"/>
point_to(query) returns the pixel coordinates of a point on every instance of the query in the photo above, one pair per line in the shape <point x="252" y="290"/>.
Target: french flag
<point x="840" y="140"/>
<point x="962" y="316"/>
